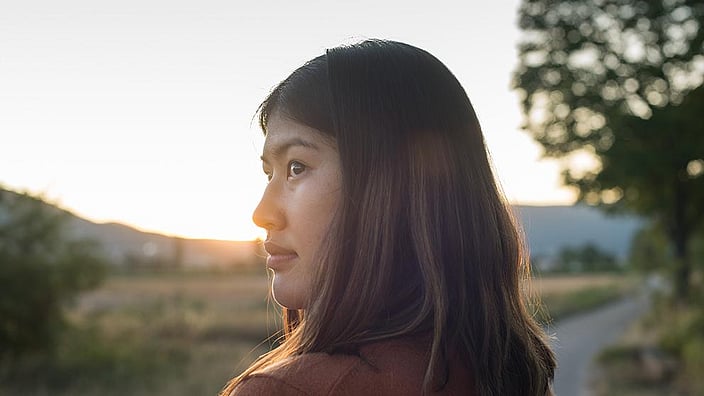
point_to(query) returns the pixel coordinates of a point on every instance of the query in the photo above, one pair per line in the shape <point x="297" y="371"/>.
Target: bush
<point x="684" y="338"/>
<point x="41" y="269"/>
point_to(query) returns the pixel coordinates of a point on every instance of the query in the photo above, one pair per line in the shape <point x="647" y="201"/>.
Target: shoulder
<point x="398" y="367"/>
<point x="391" y="367"/>
<point x="308" y="374"/>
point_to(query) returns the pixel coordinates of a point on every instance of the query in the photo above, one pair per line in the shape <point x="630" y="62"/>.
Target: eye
<point x="295" y="168"/>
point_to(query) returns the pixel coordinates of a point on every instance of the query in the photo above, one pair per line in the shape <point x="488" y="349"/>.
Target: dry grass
<point x="561" y="284"/>
<point x="183" y="333"/>
<point x="557" y="296"/>
<point x="215" y="288"/>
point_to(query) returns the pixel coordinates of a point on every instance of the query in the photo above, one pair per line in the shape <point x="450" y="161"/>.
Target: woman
<point x="394" y="254"/>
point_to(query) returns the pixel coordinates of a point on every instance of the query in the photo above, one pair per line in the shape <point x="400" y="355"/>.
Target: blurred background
<point x="129" y="169"/>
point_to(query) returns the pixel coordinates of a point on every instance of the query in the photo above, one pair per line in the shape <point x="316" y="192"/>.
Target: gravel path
<point x="579" y="339"/>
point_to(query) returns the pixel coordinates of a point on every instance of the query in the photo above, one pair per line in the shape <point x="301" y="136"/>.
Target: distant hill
<point x="125" y="246"/>
<point x="131" y="247"/>
<point x="548" y="229"/>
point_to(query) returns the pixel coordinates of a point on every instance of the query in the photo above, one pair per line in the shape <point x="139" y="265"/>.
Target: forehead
<point x="283" y="133"/>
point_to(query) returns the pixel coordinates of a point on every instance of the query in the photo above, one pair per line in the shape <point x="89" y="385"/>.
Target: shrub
<point x="41" y="269"/>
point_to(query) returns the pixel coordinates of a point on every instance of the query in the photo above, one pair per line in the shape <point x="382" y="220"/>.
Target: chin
<point x="286" y="294"/>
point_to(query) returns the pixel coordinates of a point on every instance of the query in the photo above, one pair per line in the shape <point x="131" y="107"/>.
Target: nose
<point x="269" y="214"/>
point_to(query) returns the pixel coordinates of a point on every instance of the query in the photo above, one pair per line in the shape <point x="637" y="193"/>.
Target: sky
<point x="142" y="111"/>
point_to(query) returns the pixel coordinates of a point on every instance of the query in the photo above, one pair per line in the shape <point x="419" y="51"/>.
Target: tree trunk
<point x="682" y="268"/>
<point x="680" y="235"/>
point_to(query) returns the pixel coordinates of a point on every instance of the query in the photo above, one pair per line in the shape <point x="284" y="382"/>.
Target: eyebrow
<point x="277" y="149"/>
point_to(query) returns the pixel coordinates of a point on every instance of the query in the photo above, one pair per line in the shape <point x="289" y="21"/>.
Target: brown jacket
<point x="394" y="367"/>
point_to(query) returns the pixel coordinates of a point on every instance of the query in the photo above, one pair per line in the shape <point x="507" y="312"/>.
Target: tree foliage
<point x="620" y="83"/>
<point x="648" y="250"/>
<point x="41" y="269"/>
<point x="585" y="258"/>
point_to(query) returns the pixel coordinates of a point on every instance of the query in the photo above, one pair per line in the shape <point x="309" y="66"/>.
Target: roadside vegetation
<point x="663" y="354"/>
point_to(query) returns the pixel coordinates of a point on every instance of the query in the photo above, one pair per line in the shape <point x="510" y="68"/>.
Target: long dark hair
<point x="424" y="242"/>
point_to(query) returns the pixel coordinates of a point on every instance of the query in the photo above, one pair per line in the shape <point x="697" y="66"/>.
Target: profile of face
<point x="298" y="204"/>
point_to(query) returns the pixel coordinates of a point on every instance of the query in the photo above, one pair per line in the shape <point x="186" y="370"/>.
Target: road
<point x="579" y="339"/>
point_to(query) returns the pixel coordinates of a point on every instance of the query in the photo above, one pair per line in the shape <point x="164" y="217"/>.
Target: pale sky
<point x="141" y="111"/>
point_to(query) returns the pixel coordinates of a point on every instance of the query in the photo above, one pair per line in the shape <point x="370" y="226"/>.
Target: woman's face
<point x="303" y="168"/>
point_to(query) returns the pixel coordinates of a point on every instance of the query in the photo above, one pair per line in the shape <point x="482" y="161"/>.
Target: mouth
<point x="278" y="256"/>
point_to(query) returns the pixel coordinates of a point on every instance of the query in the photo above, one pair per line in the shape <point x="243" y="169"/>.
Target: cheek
<point x="316" y="200"/>
<point x="314" y="213"/>
<point x="314" y="224"/>
<point x="324" y="210"/>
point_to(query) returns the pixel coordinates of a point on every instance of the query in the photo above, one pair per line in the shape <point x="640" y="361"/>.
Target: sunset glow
<point x="152" y="125"/>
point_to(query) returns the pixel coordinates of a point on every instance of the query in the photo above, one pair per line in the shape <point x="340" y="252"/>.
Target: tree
<point x="648" y="251"/>
<point x="585" y="258"/>
<point x="40" y="270"/>
<point x="619" y="83"/>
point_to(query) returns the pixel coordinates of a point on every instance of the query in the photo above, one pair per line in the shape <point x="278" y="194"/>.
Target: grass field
<point x="188" y="333"/>
<point x="564" y="295"/>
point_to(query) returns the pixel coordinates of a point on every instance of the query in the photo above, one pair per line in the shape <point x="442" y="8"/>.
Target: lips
<point x="276" y="250"/>
<point x="278" y="256"/>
